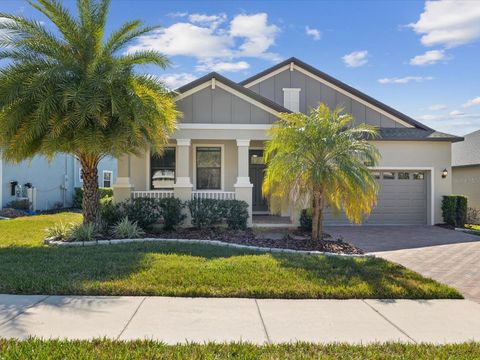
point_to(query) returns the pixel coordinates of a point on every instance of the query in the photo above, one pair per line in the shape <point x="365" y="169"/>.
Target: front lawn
<point x="106" y="349"/>
<point x="171" y="269"/>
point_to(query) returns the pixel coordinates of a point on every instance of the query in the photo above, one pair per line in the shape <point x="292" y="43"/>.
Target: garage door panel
<point x="399" y="201"/>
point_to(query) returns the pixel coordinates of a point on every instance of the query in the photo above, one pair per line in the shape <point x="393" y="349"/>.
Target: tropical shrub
<point x="126" y="229"/>
<point x="171" y="212"/>
<point x="82" y="232"/>
<point x="454" y="210"/>
<point x="78" y="195"/>
<point x="143" y="211"/>
<point x="306" y="219"/>
<point x="205" y="213"/>
<point x="236" y="214"/>
<point x="110" y="212"/>
<point x="59" y="231"/>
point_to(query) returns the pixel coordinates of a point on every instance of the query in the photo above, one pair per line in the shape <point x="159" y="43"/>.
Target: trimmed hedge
<point x="78" y="195"/>
<point x="208" y="213"/>
<point x="454" y="210"/>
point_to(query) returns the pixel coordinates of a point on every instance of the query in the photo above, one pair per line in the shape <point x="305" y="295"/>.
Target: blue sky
<point x="418" y="57"/>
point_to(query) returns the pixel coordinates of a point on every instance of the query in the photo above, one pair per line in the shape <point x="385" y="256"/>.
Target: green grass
<point x="170" y="269"/>
<point x="107" y="349"/>
<point x="474" y="227"/>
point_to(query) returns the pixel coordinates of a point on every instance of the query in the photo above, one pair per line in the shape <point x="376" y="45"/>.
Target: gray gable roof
<point x="467" y="152"/>
<point x="412" y="134"/>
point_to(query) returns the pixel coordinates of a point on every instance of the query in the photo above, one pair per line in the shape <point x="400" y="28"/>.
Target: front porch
<point x="200" y="169"/>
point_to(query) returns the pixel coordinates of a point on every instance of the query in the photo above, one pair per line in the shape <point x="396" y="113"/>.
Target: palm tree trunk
<point x="91" y="195"/>
<point x="317" y="217"/>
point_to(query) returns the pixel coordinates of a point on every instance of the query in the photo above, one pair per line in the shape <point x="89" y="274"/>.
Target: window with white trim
<point x="209" y="168"/>
<point x="291" y="99"/>
<point x="162" y="169"/>
<point x="107" y="178"/>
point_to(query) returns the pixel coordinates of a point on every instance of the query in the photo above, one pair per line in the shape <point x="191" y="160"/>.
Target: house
<point x="466" y="168"/>
<point x="216" y="151"/>
<point x="48" y="184"/>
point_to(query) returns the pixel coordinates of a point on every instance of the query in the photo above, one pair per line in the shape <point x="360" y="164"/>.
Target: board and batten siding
<point x="218" y="106"/>
<point x="312" y="92"/>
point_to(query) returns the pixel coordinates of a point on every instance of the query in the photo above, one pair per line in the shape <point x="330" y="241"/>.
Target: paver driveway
<point x="450" y="257"/>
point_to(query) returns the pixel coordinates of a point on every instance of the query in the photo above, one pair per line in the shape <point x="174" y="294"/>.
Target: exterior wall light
<point x="444" y="173"/>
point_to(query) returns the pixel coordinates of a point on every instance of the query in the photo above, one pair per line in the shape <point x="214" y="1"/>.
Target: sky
<point x="422" y="58"/>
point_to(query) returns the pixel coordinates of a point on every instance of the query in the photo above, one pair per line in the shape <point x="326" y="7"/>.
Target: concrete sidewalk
<point x="174" y="320"/>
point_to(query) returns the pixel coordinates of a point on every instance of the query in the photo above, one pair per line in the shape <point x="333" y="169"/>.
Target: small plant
<point x="78" y="195"/>
<point x="236" y="214"/>
<point x="171" y="210"/>
<point x="23" y="204"/>
<point x="144" y="211"/>
<point x="306" y="219"/>
<point x="110" y="212"/>
<point x="59" y="231"/>
<point x="125" y="229"/>
<point x="82" y="232"/>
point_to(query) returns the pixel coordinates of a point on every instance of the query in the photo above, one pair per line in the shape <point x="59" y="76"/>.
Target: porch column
<point x="183" y="185"/>
<point x="123" y="188"/>
<point x="243" y="186"/>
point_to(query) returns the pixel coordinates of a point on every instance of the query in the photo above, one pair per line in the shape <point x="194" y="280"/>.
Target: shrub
<point x="125" y="229"/>
<point x="82" y="232"/>
<point x="205" y="213"/>
<point x="236" y="214"/>
<point x="78" y="195"/>
<point x="143" y="211"/>
<point x="59" y="231"/>
<point x="306" y="219"/>
<point x="473" y="216"/>
<point x="23" y="204"/>
<point x="110" y="212"/>
<point x="454" y="210"/>
<point x="171" y="211"/>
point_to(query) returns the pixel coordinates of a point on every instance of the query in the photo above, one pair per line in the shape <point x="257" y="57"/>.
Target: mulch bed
<point x="12" y="213"/>
<point x="295" y="240"/>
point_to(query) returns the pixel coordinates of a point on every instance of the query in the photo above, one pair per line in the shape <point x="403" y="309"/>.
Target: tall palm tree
<point x="322" y="159"/>
<point x="75" y="90"/>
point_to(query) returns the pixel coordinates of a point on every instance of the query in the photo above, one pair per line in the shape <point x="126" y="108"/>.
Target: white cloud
<point x="223" y="66"/>
<point x="449" y="23"/>
<point x="427" y="117"/>
<point x="209" y="37"/>
<point x="258" y="35"/>
<point x="436" y="107"/>
<point x="404" y="80"/>
<point x="356" y="58"/>
<point x="472" y="102"/>
<point x="455" y="122"/>
<point x="212" y="21"/>
<point x="456" y="113"/>
<point x="429" y="58"/>
<point x="314" y="33"/>
<point x="173" y="81"/>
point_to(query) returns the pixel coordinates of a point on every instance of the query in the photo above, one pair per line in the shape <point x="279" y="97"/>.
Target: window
<point x="162" y="169"/>
<point x="107" y="178"/>
<point x="209" y="168"/>
<point x="403" y="176"/>
<point x="388" y="175"/>
<point x="418" y="176"/>
<point x="80" y="174"/>
<point x="291" y="99"/>
<point x="256" y="157"/>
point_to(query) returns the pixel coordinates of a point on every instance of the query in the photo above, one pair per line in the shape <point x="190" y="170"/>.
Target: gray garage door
<point x="402" y="200"/>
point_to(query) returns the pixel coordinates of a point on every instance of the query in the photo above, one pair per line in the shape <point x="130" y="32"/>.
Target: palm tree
<point x="75" y="90"/>
<point x="321" y="159"/>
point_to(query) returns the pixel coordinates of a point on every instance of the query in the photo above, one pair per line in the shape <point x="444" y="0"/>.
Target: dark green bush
<point x="454" y="210"/>
<point x="306" y="219"/>
<point x="235" y="213"/>
<point x="144" y="211"/>
<point x="23" y="204"/>
<point x="171" y="212"/>
<point x="110" y="212"/>
<point x="206" y="213"/>
<point x="78" y="195"/>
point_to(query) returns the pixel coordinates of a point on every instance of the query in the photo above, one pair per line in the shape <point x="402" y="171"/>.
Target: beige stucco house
<point x="466" y="168"/>
<point x="216" y="151"/>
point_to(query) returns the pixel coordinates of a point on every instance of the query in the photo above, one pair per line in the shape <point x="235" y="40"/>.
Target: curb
<point x="194" y="241"/>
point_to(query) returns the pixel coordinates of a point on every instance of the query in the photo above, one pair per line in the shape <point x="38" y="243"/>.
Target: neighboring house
<point x="466" y="168"/>
<point x="53" y="182"/>
<point x="217" y="150"/>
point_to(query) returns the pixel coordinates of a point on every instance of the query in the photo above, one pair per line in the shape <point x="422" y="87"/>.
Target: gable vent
<point x="291" y="99"/>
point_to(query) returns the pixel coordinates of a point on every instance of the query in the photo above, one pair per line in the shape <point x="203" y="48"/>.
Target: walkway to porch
<point x="271" y="221"/>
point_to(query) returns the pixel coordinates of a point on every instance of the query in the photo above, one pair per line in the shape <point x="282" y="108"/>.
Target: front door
<point x="256" y="170"/>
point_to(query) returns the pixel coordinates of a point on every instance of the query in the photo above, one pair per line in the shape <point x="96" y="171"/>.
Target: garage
<point x="402" y="200"/>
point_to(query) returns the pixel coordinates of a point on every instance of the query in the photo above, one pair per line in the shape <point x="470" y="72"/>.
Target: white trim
<point x="222" y="166"/>
<point x="193" y="90"/>
<point x="103" y="177"/>
<point x="199" y="126"/>
<point x="184" y="142"/>
<point x="148" y="155"/>
<point x="243" y="142"/>
<point x="213" y="83"/>
<point x="417" y="168"/>
<point x="270" y="74"/>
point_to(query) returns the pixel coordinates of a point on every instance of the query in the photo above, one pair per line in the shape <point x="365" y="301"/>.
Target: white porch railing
<point x="153" y="194"/>
<point x="218" y="195"/>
